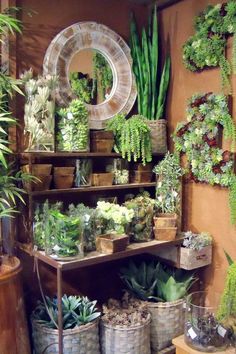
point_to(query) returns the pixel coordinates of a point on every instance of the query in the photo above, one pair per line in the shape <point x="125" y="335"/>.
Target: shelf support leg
<point x="59" y="299"/>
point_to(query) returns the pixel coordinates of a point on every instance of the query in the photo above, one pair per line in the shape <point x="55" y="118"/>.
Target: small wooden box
<point x="111" y="243"/>
<point x="192" y="259"/>
<point x="102" y="179"/>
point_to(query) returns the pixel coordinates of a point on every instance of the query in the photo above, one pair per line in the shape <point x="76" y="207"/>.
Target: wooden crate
<point x="192" y="259"/>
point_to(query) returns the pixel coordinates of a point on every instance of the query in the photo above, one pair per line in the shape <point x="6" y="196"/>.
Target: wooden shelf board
<point x="26" y="155"/>
<point x="94" y="258"/>
<point x="93" y="188"/>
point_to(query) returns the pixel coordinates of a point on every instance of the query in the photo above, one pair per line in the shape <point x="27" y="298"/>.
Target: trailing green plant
<point x="76" y="311"/>
<point x="140" y="227"/>
<point x="127" y="312"/>
<point x="132" y="137"/>
<point x="168" y="184"/>
<point x="39" y="114"/>
<point x="196" y="241"/>
<point x="103" y="75"/>
<point x="206" y="48"/>
<point x="73" y="127"/>
<point x="206" y="114"/>
<point x="155" y="282"/>
<point x="82" y="87"/>
<point x="151" y="86"/>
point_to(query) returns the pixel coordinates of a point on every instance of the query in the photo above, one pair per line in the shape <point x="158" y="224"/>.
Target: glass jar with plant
<point x="140" y="228"/>
<point x="152" y="86"/>
<point x="168" y="190"/>
<point x="163" y="288"/>
<point x="132" y="137"/>
<point x="83" y="172"/>
<point x="73" y="127"/>
<point x="39" y="116"/>
<point x="80" y="325"/>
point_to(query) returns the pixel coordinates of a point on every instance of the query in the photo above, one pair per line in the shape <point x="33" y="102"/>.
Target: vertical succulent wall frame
<point x="207" y="47"/>
<point x="197" y="139"/>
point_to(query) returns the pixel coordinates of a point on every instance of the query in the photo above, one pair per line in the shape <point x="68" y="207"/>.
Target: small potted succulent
<point x="140" y="228"/>
<point x="163" y="289"/>
<point x="167" y="203"/>
<point x="196" y="250"/>
<point x="73" y="127"/>
<point x="111" y="221"/>
<point x="125" y="327"/>
<point x="132" y="137"/>
<point x="39" y="116"/>
<point x="80" y="325"/>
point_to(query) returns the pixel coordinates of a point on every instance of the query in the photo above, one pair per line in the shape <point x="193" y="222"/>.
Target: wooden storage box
<point x="102" y="179"/>
<point x="111" y="243"/>
<point x="38" y="169"/>
<point x="102" y="145"/>
<point x="143" y="168"/>
<point x="42" y="184"/>
<point x="165" y="233"/>
<point x="192" y="259"/>
<point x="140" y="176"/>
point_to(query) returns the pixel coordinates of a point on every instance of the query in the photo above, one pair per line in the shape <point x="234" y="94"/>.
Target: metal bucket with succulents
<point x="125" y="327"/>
<point x="196" y="250"/>
<point x="140" y="227"/>
<point x="73" y="127"/>
<point x="163" y="289"/>
<point x="168" y="197"/>
<point x="152" y="86"/>
<point x="59" y="234"/>
<point x="39" y="112"/>
<point x="111" y="222"/>
<point x="80" y="325"/>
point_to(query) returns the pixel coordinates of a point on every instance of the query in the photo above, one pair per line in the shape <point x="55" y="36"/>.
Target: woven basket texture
<point x="158" y="135"/>
<point x="129" y="340"/>
<point x="81" y="340"/>
<point x="167" y="322"/>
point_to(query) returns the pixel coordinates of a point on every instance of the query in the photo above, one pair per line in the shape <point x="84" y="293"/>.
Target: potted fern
<point x="164" y="290"/>
<point x="151" y="86"/>
<point x="80" y="325"/>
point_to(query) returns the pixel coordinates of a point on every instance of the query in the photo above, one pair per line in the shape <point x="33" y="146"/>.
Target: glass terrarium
<point x="121" y="171"/>
<point x="203" y="331"/>
<point x="83" y="172"/>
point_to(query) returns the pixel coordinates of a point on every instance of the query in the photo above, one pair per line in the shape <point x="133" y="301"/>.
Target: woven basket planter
<point x="158" y="135"/>
<point x="81" y="340"/>
<point x="128" y="340"/>
<point x="167" y="322"/>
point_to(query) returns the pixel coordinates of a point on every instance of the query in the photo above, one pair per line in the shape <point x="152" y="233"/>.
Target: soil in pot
<point x="63" y="181"/>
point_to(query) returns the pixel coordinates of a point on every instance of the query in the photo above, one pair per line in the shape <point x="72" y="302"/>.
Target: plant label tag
<point x="222" y="331"/>
<point x="192" y="333"/>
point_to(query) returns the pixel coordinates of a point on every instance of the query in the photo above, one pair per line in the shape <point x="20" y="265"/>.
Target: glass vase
<point x="140" y="228"/>
<point x="203" y="332"/>
<point x="83" y="172"/>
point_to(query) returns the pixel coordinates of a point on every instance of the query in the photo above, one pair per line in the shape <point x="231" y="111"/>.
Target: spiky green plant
<point x="155" y="282"/>
<point x="76" y="311"/>
<point x="152" y="88"/>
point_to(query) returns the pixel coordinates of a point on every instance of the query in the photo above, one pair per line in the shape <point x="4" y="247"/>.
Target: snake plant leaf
<point x="165" y="78"/>
<point x="229" y="259"/>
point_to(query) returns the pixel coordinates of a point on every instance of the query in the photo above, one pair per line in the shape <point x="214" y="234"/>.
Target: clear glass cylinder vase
<point x="203" y="332"/>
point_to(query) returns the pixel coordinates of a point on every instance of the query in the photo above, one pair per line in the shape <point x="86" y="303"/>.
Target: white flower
<point x="69" y="115"/>
<point x="56" y="248"/>
<point x="159" y="198"/>
<point x="159" y="184"/>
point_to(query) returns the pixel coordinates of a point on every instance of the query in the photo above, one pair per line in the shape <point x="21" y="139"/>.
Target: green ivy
<point x="198" y="140"/>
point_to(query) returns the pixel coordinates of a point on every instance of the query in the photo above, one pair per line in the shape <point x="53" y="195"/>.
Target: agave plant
<point x="76" y="311"/>
<point x="155" y="282"/>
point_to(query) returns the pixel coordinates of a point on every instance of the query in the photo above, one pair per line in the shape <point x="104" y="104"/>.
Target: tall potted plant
<point x="13" y="327"/>
<point x="151" y="86"/>
<point x="164" y="290"/>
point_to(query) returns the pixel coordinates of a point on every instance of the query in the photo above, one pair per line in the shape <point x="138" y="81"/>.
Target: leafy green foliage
<point x="102" y="75"/>
<point x="132" y="137"/>
<point x="73" y="127"/>
<point x="227" y="306"/>
<point x="152" y="89"/>
<point x="196" y="241"/>
<point x="76" y="311"/>
<point x="81" y="87"/>
<point x="206" y="48"/>
<point x="168" y="185"/>
<point x="155" y="282"/>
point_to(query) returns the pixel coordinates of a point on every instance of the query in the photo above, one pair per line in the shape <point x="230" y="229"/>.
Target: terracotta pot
<point x="38" y="169"/>
<point x="165" y="220"/>
<point x="13" y="325"/>
<point x="165" y="233"/>
<point x="101" y="134"/>
<point x="42" y="185"/>
<point x="111" y="243"/>
<point x="102" y="179"/>
<point x="140" y="167"/>
<point x="102" y="145"/>
<point x="140" y="176"/>
<point x="62" y="171"/>
<point x="63" y="182"/>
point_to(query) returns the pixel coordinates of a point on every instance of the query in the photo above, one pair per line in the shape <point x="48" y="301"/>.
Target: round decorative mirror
<point x="93" y="63"/>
